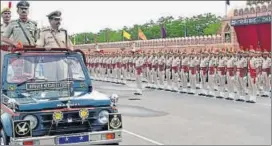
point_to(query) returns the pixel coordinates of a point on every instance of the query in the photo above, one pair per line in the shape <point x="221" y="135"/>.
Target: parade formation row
<point x="234" y="75"/>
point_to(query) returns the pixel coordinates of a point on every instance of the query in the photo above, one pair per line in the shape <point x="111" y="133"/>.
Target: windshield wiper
<point x="32" y="79"/>
<point x="73" y="79"/>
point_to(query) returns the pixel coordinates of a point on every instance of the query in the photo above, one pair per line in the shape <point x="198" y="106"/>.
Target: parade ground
<point x="168" y="118"/>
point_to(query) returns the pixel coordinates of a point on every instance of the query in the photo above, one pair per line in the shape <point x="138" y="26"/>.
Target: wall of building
<point x="226" y="39"/>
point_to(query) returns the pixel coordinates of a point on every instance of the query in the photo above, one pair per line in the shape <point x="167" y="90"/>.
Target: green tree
<point x="203" y="24"/>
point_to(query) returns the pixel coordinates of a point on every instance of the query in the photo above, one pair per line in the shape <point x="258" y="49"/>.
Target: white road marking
<point x="142" y="137"/>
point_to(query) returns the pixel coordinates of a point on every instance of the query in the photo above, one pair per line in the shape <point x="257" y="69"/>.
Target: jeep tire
<point x="4" y="138"/>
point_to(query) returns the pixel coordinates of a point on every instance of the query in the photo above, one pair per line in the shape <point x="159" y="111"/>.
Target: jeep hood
<point x="93" y="99"/>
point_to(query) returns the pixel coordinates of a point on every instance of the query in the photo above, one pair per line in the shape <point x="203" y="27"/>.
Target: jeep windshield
<point x="44" y="68"/>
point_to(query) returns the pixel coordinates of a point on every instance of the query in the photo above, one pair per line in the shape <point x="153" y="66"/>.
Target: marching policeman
<point x="54" y="37"/>
<point x="23" y="29"/>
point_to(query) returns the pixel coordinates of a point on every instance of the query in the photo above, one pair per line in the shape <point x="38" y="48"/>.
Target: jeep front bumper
<point x="102" y="137"/>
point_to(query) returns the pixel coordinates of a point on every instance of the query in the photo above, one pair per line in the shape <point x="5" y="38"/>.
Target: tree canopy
<point x="203" y="24"/>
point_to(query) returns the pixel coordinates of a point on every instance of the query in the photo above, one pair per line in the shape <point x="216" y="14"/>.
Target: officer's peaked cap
<point x="54" y="14"/>
<point x="23" y="4"/>
<point x="6" y="9"/>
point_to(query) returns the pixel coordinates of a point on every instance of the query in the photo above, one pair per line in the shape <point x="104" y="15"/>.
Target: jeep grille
<point x="64" y="126"/>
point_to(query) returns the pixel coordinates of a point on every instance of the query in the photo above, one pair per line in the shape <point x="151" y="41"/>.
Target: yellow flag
<point x="126" y="35"/>
<point x="141" y="34"/>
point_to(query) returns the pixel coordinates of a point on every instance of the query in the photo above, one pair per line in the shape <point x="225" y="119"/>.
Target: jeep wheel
<point x="4" y="138"/>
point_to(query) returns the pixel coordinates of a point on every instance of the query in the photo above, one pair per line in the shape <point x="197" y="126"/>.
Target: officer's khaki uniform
<point x="241" y="78"/>
<point x="259" y="82"/>
<point x="100" y="68"/>
<point x="114" y="69"/>
<point x="50" y="38"/>
<point x="231" y="65"/>
<point x="175" y="73"/>
<point x="134" y="67"/>
<point x="149" y="71"/>
<point x="92" y="66"/>
<point x="14" y="30"/>
<point x="192" y="74"/>
<point x="96" y="71"/>
<point x="3" y="28"/>
<point x="197" y="73"/>
<point x="130" y="68"/>
<point x="252" y="87"/>
<point x="221" y="71"/>
<point x="154" y="85"/>
<point x="138" y="66"/>
<point x="104" y="69"/>
<point x="108" y="77"/>
<point x="118" y="69"/>
<point x="211" y="76"/>
<point x="124" y="69"/>
<point x="3" y="53"/>
<point x="169" y="61"/>
<point x="161" y="71"/>
<point x="266" y="73"/>
<point x="184" y="74"/>
<point x="144" y="74"/>
<point x="204" y="64"/>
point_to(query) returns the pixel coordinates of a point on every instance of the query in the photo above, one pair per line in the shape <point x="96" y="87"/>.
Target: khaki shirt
<point x="14" y="30"/>
<point x="3" y="28"/>
<point x="47" y="39"/>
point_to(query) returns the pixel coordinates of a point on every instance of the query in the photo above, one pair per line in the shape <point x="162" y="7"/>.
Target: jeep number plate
<point x="73" y="139"/>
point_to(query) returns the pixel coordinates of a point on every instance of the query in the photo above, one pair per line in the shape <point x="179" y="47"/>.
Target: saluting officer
<point x="54" y="37"/>
<point x="23" y="29"/>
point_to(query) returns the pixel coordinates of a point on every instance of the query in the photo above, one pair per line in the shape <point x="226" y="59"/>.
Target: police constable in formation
<point x="54" y="37"/>
<point x="23" y="29"/>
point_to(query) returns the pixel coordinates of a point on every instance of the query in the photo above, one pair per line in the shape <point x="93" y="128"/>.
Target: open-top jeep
<point x="47" y="98"/>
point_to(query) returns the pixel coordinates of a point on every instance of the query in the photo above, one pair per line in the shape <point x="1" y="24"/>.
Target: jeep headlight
<point x="103" y="117"/>
<point x="33" y="120"/>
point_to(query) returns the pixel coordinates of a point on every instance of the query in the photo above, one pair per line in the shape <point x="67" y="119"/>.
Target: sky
<point x="92" y="16"/>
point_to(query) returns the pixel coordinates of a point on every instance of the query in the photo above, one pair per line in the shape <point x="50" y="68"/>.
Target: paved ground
<point x="164" y="118"/>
